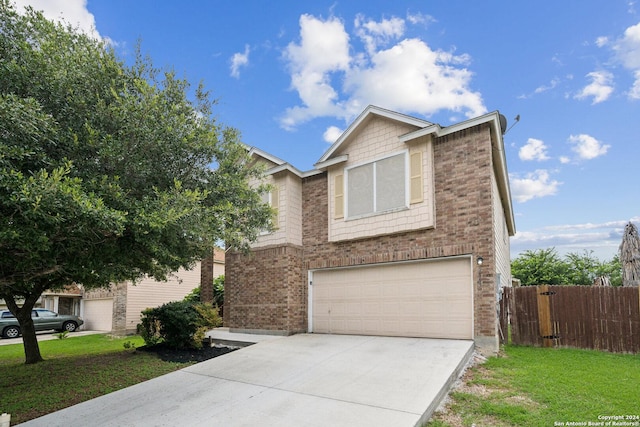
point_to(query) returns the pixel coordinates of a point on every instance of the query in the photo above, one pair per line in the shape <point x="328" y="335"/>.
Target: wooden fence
<point x="594" y="317"/>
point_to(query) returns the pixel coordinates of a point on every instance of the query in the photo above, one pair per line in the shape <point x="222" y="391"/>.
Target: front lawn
<point x="76" y="369"/>
<point x="527" y="386"/>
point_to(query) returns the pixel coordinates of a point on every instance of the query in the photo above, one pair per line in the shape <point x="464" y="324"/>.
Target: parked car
<point x="42" y="319"/>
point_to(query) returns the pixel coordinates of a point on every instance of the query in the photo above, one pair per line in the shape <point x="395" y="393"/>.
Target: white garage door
<point x="430" y="299"/>
<point x="98" y="314"/>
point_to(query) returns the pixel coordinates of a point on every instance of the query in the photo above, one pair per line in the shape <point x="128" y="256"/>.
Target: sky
<point x="292" y="75"/>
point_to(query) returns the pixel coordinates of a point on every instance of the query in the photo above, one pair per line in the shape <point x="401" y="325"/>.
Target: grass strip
<point x="528" y="386"/>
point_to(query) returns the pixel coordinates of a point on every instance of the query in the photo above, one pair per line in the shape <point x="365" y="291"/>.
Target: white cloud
<point x="533" y="185"/>
<point x="602" y="41"/>
<point x="333" y="79"/>
<point x="373" y="33"/>
<point x="332" y="134"/>
<point x="239" y="60"/>
<point x="412" y="77"/>
<point x="600" y="87"/>
<point x="420" y="18"/>
<point x="627" y="50"/>
<point x="534" y="149"/>
<point x="634" y="93"/>
<point x="73" y="12"/>
<point x="552" y="84"/>
<point x="323" y="50"/>
<point x="587" y="147"/>
<point x="628" y="47"/>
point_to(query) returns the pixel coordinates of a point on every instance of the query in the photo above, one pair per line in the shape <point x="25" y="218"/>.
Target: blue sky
<point x="291" y="75"/>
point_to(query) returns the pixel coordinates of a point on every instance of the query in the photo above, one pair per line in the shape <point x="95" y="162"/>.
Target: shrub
<point x="179" y="324"/>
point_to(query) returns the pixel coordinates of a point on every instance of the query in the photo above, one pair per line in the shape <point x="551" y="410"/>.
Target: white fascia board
<point x="434" y="128"/>
<point x="285" y="167"/>
<point x="265" y="155"/>
<point x="331" y="162"/>
<point x="289" y="168"/>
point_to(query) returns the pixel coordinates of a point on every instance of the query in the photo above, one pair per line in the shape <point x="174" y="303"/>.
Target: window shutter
<point x="275" y="205"/>
<point x="417" y="190"/>
<point x="338" y="196"/>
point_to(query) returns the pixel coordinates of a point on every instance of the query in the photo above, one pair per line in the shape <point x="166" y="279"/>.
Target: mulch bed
<point x="169" y="354"/>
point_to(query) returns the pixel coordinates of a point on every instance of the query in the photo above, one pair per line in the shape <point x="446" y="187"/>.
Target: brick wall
<point x="266" y="290"/>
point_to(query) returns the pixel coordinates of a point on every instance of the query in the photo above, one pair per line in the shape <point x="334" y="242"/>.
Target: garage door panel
<point x="424" y="299"/>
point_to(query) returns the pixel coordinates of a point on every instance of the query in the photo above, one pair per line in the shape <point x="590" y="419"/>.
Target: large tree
<point x="108" y="171"/>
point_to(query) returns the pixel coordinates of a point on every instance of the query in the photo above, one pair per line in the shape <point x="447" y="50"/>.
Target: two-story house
<point x="401" y="229"/>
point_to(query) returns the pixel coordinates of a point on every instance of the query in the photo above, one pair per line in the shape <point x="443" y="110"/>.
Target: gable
<point x="376" y="138"/>
<point x="370" y="113"/>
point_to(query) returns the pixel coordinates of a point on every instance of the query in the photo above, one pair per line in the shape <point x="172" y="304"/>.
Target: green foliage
<point x="194" y="295"/>
<point x="544" y="266"/>
<point x="106" y="169"/>
<point x="179" y="324"/>
<point x="62" y="335"/>
<point x="129" y="345"/>
<point x="218" y="291"/>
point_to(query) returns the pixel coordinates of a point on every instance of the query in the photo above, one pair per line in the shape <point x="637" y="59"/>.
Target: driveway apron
<point x="300" y="380"/>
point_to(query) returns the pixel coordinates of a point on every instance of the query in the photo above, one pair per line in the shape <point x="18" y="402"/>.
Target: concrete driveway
<point x="300" y="380"/>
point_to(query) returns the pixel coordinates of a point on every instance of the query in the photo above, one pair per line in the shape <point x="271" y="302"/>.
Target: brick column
<point x="119" y="322"/>
<point x="206" y="279"/>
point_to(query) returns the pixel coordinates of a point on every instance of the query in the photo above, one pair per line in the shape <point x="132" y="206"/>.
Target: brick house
<point x="383" y="236"/>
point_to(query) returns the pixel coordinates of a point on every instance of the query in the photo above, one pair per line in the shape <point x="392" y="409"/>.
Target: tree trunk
<point x="30" y="341"/>
<point x="27" y="328"/>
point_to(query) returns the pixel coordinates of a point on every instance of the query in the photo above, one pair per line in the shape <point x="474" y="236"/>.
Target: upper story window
<point x="377" y="187"/>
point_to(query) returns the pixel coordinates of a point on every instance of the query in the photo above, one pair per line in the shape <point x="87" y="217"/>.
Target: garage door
<point x="420" y="299"/>
<point x="98" y="314"/>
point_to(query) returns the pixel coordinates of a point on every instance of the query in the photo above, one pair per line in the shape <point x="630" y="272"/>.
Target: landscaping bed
<point x="168" y="354"/>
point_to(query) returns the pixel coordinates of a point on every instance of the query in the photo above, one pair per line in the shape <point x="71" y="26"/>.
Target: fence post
<point x="544" y="315"/>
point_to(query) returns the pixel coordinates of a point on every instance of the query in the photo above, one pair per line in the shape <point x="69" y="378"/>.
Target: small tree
<point x="543" y="266"/>
<point x="583" y="268"/>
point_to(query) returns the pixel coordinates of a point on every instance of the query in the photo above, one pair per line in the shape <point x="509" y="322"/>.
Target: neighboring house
<point x="383" y="237"/>
<point x="118" y="308"/>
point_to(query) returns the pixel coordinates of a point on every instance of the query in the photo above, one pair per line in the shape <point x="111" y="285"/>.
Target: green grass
<point x="75" y="369"/>
<point x="527" y="386"/>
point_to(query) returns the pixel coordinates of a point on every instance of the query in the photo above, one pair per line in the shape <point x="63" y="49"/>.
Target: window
<point x="46" y="313"/>
<point x="377" y="187"/>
